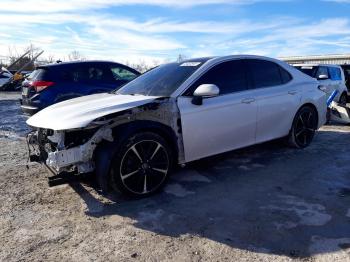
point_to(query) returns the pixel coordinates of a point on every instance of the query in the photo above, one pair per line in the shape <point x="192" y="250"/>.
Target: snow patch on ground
<point x="307" y="213"/>
<point x="177" y="190"/>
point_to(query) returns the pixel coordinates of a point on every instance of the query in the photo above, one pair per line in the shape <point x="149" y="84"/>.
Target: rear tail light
<point x="41" y="85"/>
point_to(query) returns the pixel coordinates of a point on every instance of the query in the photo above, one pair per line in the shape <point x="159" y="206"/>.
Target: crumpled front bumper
<point x="64" y="159"/>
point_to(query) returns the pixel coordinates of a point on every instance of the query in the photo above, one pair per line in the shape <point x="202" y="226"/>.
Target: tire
<point x="303" y="128"/>
<point x="141" y="165"/>
<point x="343" y="99"/>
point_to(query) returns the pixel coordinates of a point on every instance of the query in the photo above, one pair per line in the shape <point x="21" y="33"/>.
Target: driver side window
<point x="229" y="77"/>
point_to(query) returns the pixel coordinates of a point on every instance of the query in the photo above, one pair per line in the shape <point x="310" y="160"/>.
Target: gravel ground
<point x="262" y="203"/>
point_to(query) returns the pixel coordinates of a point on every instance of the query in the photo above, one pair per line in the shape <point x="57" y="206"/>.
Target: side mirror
<point x="322" y="77"/>
<point x="204" y="91"/>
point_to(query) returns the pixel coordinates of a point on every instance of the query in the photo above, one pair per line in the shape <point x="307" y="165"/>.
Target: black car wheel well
<point x="313" y="107"/>
<point x="140" y="126"/>
<point x="105" y="151"/>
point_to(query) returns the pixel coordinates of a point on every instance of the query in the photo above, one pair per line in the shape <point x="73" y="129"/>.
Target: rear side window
<point x="38" y="74"/>
<point x="86" y="73"/>
<point x="286" y="77"/>
<point x="95" y="73"/>
<point x="335" y="73"/>
<point x="75" y="74"/>
<point x="229" y="76"/>
<point x="266" y="73"/>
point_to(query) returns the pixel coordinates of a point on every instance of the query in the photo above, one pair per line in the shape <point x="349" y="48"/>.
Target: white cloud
<point x="48" y="6"/>
<point x="61" y="27"/>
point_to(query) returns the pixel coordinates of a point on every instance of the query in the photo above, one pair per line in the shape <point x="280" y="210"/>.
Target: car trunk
<point x="36" y="82"/>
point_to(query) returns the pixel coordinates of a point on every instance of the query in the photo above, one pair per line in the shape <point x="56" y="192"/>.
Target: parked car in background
<point x="5" y="76"/>
<point x="177" y="113"/>
<point x="346" y="69"/>
<point x="330" y="76"/>
<point x="55" y="83"/>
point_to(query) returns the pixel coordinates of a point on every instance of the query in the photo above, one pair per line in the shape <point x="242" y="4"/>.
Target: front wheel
<point x="303" y="128"/>
<point x="141" y="165"/>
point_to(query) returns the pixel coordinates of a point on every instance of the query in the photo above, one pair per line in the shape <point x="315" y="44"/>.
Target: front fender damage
<point x="77" y="151"/>
<point x="81" y="155"/>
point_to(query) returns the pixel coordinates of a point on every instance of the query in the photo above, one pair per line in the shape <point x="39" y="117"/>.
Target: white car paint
<point x="217" y="126"/>
<point x="220" y="124"/>
<point x="329" y="83"/>
<point x="80" y="112"/>
<point x="237" y="120"/>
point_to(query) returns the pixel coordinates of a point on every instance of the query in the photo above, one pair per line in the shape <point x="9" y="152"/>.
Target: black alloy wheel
<point x="143" y="165"/>
<point x="304" y="127"/>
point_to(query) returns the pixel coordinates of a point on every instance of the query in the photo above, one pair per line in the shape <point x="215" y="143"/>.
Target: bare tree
<point x="142" y="66"/>
<point x="181" y="58"/>
<point x="50" y="59"/>
<point x="26" y="61"/>
<point x="76" y="56"/>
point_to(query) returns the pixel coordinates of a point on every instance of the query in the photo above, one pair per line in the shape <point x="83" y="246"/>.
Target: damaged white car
<point x="174" y="114"/>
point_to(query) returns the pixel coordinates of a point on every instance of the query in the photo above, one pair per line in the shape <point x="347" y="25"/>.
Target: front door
<point x="221" y="123"/>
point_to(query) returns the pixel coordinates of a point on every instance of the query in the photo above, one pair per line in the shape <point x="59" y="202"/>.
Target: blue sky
<point x="155" y="30"/>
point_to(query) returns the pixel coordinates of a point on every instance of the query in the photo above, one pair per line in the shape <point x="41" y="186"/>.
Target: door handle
<point x="292" y="92"/>
<point x="248" y="100"/>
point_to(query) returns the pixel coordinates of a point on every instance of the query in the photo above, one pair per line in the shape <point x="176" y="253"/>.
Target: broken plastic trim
<point x="79" y="156"/>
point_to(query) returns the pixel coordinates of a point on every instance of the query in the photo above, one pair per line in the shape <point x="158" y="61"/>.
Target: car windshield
<point x="162" y="80"/>
<point x="309" y="70"/>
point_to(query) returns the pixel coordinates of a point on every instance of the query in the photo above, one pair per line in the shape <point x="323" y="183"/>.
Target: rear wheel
<point x="141" y="165"/>
<point x="304" y="127"/>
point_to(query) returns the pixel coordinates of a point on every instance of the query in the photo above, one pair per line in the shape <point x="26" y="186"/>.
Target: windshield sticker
<point x="191" y="64"/>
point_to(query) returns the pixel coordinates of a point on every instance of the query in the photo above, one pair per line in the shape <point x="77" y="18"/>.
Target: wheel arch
<point x="312" y="106"/>
<point x="104" y="152"/>
<point x="139" y="126"/>
<point x="303" y="105"/>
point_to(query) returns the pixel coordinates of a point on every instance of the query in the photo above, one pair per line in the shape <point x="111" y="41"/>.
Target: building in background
<point x="318" y="59"/>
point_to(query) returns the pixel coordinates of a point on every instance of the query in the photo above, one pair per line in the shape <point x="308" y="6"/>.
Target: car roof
<point x="215" y="59"/>
<point x="88" y="62"/>
<point x="212" y="61"/>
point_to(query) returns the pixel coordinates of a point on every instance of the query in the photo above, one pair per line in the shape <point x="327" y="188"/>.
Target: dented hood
<point x="79" y="112"/>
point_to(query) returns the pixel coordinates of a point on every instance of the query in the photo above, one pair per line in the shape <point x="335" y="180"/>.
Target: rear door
<point x="221" y="123"/>
<point x="277" y="97"/>
<point x="98" y="78"/>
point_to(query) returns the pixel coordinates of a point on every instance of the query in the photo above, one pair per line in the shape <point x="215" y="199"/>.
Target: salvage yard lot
<point x="261" y="203"/>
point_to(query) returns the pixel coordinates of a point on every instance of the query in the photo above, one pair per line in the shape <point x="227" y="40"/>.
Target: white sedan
<point x="174" y="114"/>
